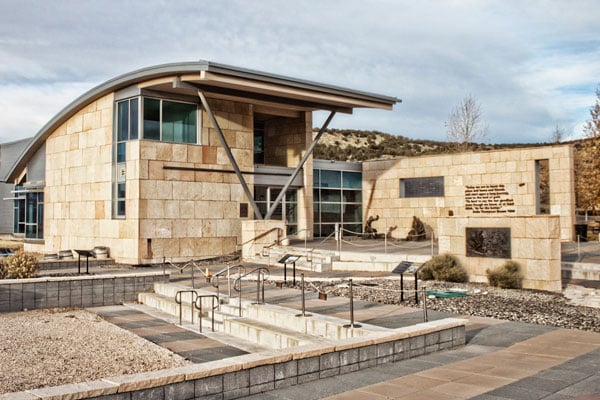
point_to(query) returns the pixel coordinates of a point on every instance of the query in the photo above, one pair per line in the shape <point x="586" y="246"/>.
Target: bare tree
<point x="588" y="162"/>
<point x="558" y="134"/>
<point x="466" y="125"/>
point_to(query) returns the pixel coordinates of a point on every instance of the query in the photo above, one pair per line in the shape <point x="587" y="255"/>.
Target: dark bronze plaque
<point x="488" y="242"/>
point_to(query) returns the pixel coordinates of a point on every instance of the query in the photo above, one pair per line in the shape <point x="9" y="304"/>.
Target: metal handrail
<point x="191" y="264"/>
<point x="265" y="233"/>
<point x="260" y="286"/>
<point x="198" y="305"/>
<point x="179" y="302"/>
<point x="214" y="279"/>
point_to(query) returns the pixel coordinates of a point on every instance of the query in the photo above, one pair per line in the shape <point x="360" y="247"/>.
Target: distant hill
<point x="357" y="145"/>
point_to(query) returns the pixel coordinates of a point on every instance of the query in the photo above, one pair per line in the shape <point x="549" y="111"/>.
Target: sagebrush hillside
<point x="357" y="145"/>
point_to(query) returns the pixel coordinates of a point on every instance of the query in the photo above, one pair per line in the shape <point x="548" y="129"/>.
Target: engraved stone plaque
<point x="488" y="242"/>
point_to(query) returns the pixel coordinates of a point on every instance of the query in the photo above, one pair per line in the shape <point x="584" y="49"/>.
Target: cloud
<point x="531" y="65"/>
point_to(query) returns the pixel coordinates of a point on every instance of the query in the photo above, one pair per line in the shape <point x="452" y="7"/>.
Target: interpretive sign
<point x="488" y="242"/>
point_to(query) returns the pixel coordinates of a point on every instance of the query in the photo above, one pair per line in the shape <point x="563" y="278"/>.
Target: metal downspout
<point x="299" y="167"/>
<point x="234" y="164"/>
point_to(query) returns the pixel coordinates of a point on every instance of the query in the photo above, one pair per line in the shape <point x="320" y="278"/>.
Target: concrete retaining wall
<point x="79" y="291"/>
<point x="241" y="376"/>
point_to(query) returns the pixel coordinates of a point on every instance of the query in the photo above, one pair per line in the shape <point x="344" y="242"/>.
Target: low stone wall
<point x="242" y="376"/>
<point x="78" y="291"/>
<point x="534" y="244"/>
<point x="70" y="263"/>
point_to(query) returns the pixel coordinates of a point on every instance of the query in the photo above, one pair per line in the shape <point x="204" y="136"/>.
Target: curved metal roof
<point x="355" y="98"/>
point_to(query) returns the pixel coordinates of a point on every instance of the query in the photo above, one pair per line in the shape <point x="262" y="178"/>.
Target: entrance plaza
<point x="497" y="360"/>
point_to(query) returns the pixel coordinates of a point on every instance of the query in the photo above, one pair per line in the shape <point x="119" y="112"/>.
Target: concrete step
<point x="264" y="334"/>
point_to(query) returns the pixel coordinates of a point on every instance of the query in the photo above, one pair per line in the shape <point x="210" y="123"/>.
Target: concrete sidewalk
<point x="501" y="360"/>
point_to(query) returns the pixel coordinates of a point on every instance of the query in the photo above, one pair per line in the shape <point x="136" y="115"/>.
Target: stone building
<point x="169" y="161"/>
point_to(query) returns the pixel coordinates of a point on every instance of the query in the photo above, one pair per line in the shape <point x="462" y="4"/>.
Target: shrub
<point x="2" y="271"/>
<point x="443" y="267"/>
<point x="507" y="276"/>
<point x="20" y="265"/>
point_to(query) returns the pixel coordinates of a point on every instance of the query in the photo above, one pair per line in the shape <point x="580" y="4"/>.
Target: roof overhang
<point x="219" y="81"/>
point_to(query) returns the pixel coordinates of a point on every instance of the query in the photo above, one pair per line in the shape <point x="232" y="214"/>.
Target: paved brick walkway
<point x="190" y="345"/>
<point x="501" y="361"/>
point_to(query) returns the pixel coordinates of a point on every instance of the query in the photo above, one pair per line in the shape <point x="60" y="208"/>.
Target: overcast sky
<point x="532" y="65"/>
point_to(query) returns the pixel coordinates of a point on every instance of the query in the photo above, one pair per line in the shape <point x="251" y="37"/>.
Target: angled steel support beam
<point x="234" y="164"/>
<point x="299" y="167"/>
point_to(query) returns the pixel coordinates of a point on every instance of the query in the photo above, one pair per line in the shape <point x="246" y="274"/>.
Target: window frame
<point x="161" y="100"/>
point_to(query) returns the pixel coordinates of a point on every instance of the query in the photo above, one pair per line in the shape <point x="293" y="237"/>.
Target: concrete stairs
<point x="261" y="326"/>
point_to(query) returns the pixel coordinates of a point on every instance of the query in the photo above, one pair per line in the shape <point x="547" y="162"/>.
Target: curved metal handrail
<point x="198" y="305"/>
<point x="179" y="302"/>
<point x="260" y="286"/>
<point x="214" y="279"/>
<point x="237" y="282"/>
<point x="190" y="264"/>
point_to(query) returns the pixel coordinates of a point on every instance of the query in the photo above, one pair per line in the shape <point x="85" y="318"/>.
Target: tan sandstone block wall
<point x="513" y="169"/>
<point x="78" y="185"/>
<point x="286" y="140"/>
<point x="535" y="245"/>
<point x="190" y="214"/>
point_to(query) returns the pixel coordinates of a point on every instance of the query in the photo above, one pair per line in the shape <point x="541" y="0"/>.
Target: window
<point x="422" y="187"/>
<point x="170" y="121"/>
<point x="29" y="212"/>
<point x="259" y="143"/>
<point x="34" y="215"/>
<point x="286" y="211"/>
<point x="127" y="125"/>
<point x="337" y="199"/>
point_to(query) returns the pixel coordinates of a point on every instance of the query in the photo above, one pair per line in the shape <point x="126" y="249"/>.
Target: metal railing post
<point x="385" y="243"/>
<point x="199" y="314"/>
<point x="212" y="318"/>
<point x="240" y="300"/>
<point x="352" y="324"/>
<point x="263" y="287"/>
<point x="417" y="287"/>
<point x="303" y="314"/>
<point x="192" y="268"/>
<point x="425" y="316"/>
<point x="258" y="287"/>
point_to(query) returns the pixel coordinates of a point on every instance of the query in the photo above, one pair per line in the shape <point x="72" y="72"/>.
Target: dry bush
<point x="443" y="267"/>
<point x="507" y="276"/>
<point x="20" y="265"/>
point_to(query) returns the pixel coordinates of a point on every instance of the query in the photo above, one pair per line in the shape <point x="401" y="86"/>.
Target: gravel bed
<point x="54" y="347"/>
<point x="543" y="308"/>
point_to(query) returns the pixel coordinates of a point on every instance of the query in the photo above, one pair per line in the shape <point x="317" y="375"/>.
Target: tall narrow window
<point x="19" y="211"/>
<point x="127" y="128"/>
<point x="259" y="142"/>
<point x="542" y="180"/>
